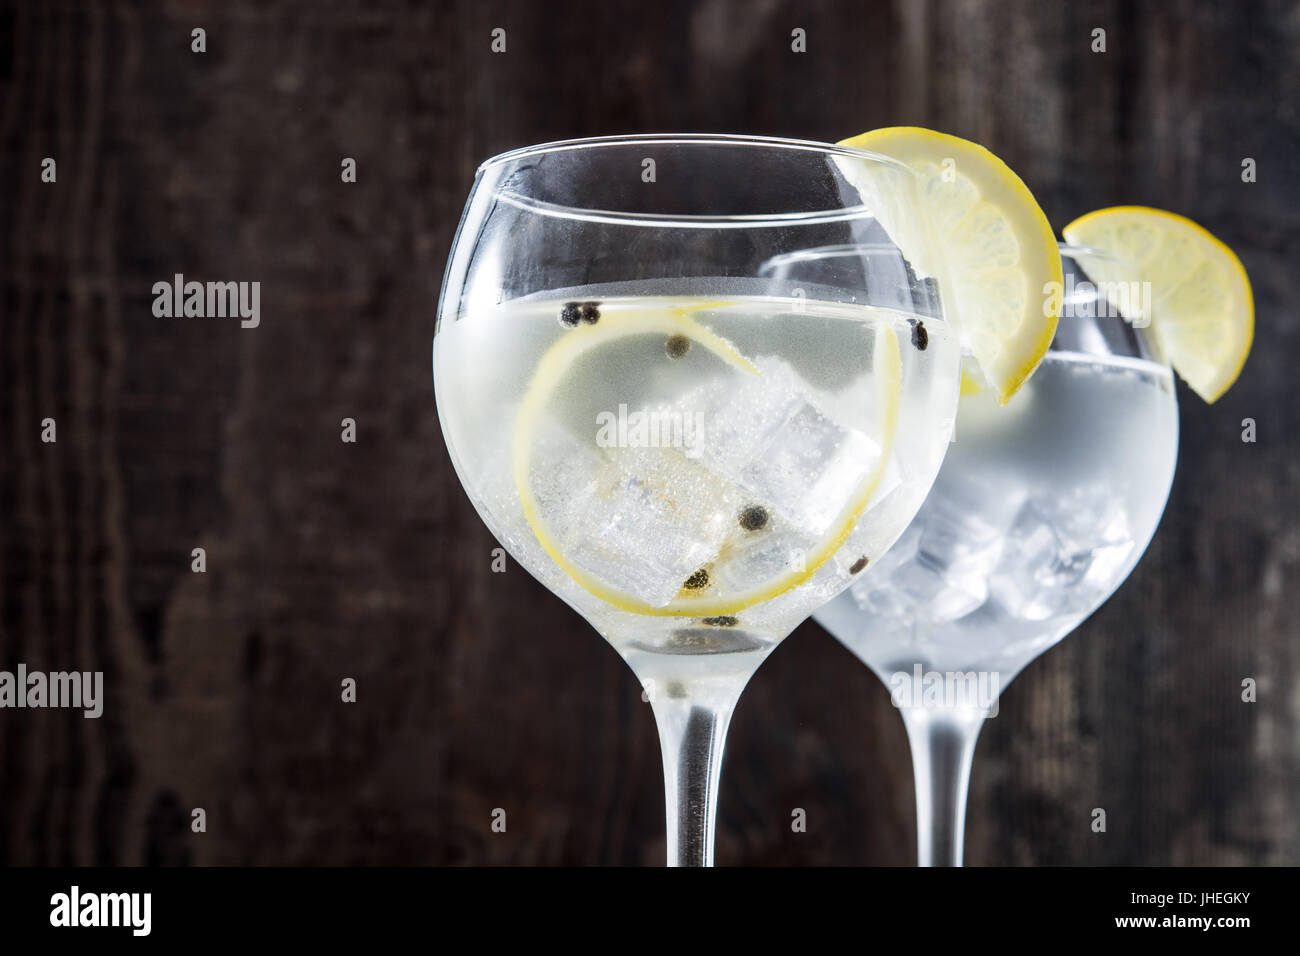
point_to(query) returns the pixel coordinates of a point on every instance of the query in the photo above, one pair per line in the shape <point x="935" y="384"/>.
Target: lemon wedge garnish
<point x="554" y="369"/>
<point x="988" y="244"/>
<point x="1203" y="313"/>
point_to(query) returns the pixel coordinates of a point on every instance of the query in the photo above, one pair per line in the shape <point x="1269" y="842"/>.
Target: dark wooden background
<point x="329" y="560"/>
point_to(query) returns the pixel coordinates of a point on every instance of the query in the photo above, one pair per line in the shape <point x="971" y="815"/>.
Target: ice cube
<point x="964" y="517"/>
<point x="874" y="591"/>
<point x="1106" y="570"/>
<point x="768" y="436"/>
<point x="640" y="520"/>
<point x="1090" y="518"/>
<point x="957" y="599"/>
<point x="962" y="536"/>
<point x="751" y="560"/>
<point x="1095" y="523"/>
<point x="902" y="552"/>
<point x="560" y="467"/>
<point x="888" y="607"/>
<point x="810" y="469"/>
<point x="1049" y="565"/>
<point x="932" y="594"/>
<point x="1030" y="549"/>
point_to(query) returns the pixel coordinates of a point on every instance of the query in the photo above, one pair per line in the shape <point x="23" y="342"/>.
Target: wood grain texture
<point x="328" y="560"/>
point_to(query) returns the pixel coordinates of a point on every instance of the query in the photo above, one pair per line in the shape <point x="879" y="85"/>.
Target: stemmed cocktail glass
<point x="1041" y="510"/>
<point x="691" y="452"/>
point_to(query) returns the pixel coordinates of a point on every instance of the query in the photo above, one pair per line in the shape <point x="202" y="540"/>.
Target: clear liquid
<point x="1039" y="513"/>
<point x="647" y="458"/>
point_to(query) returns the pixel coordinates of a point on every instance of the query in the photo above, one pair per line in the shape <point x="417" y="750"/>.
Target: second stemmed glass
<point x="1041" y="510"/>
<point x="693" y="454"/>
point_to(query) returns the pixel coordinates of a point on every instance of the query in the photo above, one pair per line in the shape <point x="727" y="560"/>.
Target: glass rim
<point x="685" y="220"/>
<point x="700" y="139"/>
<point x="1071" y="250"/>
<point x="844" y="250"/>
<point x="1068" y="250"/>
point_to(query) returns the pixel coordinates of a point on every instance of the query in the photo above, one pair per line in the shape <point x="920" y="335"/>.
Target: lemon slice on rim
<point x="670" y="467"/>
<point x="1203" y="313"/>
<point x="988" y="244"/>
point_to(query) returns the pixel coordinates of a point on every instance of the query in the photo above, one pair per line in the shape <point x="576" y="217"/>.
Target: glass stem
<point x="943" y="744"/>
<point x="692" y="734"/>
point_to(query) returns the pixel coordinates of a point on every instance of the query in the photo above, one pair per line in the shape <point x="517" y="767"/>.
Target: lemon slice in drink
<point x="673" y="493"/>
<point x="988" y="244"/>
<point x="1203" y="314"/>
